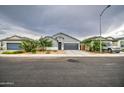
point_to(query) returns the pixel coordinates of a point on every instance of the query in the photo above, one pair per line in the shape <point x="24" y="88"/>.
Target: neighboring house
<point x="87" y="43"/>
<point x="12" y="43"/>
<point x="107" y="40"/>
<point x="60" y="41"/>
<point x="63" y="41"/>
<point x="110" y="41"/>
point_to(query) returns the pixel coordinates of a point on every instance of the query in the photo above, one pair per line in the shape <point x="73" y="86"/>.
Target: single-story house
<point x="60" y="41"/>
<point x="63" y="41"/>
<point x="89" y="41"/>
<point x="11" y="43"/>
<point x="110" y="41"/>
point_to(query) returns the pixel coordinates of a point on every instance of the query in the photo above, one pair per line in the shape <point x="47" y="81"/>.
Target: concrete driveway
<point x="75" y="52"/>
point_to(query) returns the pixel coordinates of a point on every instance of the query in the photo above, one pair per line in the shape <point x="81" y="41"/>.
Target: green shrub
<point x="33" y="51"/>
<point x="43" y="43"/>
<point x="122" y="50"/>
<point x="13" y="52"/>
<point x="19" y="51"/>
<point x="29" y="45"/>
<point x="92" y="45"/>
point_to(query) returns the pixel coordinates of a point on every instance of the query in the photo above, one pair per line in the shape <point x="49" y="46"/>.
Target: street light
<point x="101" y="26"/>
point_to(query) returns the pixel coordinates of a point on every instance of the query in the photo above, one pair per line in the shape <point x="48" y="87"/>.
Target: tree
<point x="87" y="44"/>
<point x="94" y="45"/>
<point x="43" y="43"/>
<point x="29" y="45"/>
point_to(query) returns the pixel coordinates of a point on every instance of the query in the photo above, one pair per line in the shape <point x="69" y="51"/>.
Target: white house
<point x="11" y="43"/>
<point x="66" y="42"/>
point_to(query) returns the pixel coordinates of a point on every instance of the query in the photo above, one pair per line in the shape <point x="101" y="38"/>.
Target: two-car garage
<point x="71" y="46"/>
<point x="13" y="46"/>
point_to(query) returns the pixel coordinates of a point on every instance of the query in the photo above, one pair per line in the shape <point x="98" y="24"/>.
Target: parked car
<point x="112" y="48"/>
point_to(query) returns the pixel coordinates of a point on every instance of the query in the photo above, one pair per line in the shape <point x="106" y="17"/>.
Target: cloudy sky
<point x="78" y="21"/>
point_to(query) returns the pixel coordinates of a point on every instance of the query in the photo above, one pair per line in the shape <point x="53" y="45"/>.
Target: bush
<point x="47" y="52"/>
<point x="33" y="51"/>
<point x="54" y="50"/>
<point x="13" y="52"/>
<point x="43" y="43"/>
<point x="96" y="46"/>
<point x="29" y="45"/>
<point x="92" y="45"/>
<point x="122" y="50"/>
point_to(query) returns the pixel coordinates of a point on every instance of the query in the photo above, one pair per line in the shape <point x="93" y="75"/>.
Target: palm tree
<point x="43" y="43"/>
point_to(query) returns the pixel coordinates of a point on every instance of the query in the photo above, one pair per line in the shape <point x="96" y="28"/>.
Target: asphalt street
<point x="62" y="72"/>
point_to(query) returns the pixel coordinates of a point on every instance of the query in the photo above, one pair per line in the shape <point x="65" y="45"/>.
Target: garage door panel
<point x="70" y="46"/>
<point x="13" y="46"/>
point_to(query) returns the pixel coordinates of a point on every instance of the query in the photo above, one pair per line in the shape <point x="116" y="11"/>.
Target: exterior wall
<point x="52" y="48"/>
<point x="4" y="44"/>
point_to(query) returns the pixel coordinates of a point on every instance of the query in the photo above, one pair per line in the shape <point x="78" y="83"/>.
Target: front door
<point x="60" y="45"/>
